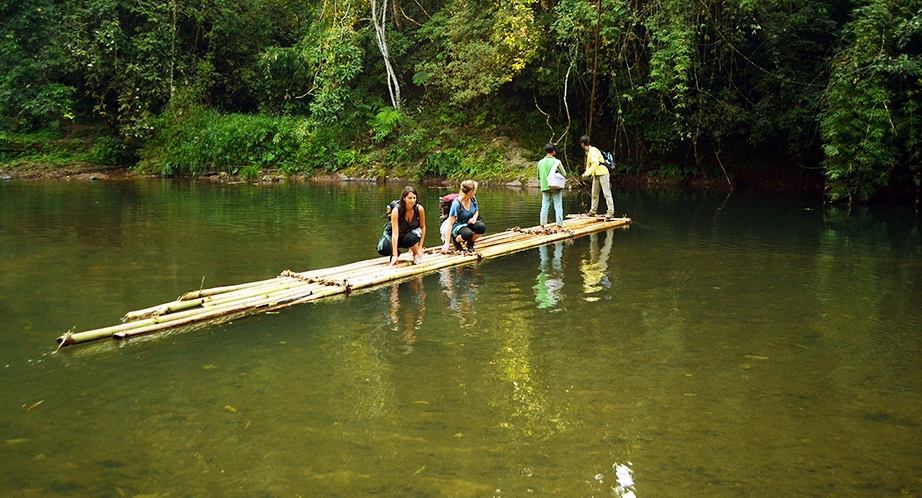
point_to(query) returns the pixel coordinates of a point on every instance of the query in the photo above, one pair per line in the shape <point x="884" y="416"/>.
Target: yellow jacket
<point x="594" y="166"/>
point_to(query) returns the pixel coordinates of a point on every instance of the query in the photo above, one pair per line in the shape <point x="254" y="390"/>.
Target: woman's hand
<point x="445" y="249"/>
<point x="393" y="260"/>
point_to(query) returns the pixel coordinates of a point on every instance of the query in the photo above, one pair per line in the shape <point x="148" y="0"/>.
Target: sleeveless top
<point x="403" y="226"/>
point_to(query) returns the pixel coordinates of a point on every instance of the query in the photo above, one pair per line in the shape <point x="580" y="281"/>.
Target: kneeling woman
<point x="462" y="218"/>
<point x="408" y="226"/>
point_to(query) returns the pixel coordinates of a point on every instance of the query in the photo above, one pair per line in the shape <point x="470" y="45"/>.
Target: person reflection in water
<point x="549" y="289"/>
<point x="595" y="269"/>
<point x="410" y="298"/>
<point x="460" y="287"/>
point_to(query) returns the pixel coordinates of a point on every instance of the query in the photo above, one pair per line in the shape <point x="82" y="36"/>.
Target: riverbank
<point x="74" y="171"/>
<point x="81" y="171"/>
<point x="83" y="153"/>
<point x="91" y="172"/>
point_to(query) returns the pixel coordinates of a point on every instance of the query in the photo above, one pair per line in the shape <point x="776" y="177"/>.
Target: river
<point x="740" y="345"/>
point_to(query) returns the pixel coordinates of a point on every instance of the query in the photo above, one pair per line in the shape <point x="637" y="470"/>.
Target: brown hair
<point x="403" y="203"/>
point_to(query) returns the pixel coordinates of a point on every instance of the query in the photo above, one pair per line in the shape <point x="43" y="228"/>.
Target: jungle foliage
<point x="702" y="89"/>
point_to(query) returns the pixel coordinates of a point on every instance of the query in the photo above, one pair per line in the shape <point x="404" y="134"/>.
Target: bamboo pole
<point x="220" y="290"/>
<point x="182" y="304"/>
<point x="325" y="272"/>
<point x="233" y="293"/>
<point x="223" y="310"/>
<point x="154" y="310"/>
<point x="219" y="299"/>
<point x="493" y="252"/>
<point x="182" y="317"/>
<point x="179" y="322"/>
<point x="402" y="272"/>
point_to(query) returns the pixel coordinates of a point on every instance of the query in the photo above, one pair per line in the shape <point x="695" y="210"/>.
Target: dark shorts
<point x="467" y="231"/>
<point x="408" y="240"/>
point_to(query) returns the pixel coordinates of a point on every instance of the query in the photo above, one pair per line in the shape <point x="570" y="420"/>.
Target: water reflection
<point x="524" y="404"/>
<point x="625" y="477"/>
<point x="460" y="285"/>
<point x="407" y="309"/>
<point x="623" y="487"/>
<point x="364" y="374"/>
<point x="595" y="268"/>
<point x="549" y="289"/>
<point x="764" y="342"/>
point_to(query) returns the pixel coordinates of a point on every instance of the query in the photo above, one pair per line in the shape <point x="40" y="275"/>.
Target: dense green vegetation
<point x="677" y="89"/>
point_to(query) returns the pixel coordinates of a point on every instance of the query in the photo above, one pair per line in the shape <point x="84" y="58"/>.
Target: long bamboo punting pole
<point x="220" y="304"/>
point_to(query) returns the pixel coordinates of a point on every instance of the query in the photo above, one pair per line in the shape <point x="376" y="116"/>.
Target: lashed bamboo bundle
<point x="219" y="304"/>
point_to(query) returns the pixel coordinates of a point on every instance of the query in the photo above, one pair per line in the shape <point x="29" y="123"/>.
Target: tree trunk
<point x="393" y="86"/>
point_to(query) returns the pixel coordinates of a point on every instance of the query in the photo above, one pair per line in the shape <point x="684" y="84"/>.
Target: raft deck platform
<point x="223" y="304"/>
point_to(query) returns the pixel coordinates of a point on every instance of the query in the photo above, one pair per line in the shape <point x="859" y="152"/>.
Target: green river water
<point x="740" y="346"/>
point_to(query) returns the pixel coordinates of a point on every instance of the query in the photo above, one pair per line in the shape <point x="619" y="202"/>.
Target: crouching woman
<point x="408" y="226"/>
<point x="463" y="220"/>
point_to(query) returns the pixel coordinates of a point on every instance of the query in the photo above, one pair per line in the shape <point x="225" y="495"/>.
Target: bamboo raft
<point x="223" y="304"/>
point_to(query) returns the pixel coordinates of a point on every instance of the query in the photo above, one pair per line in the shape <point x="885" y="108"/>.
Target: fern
<point x="385" y="123"/>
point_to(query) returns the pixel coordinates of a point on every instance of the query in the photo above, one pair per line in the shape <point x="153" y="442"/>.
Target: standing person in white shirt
<point x="548" y="194"/>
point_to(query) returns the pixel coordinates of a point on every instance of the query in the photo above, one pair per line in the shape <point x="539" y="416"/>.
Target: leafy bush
<point x="443" y="162"/>
<point x="411" y="146"/>
<point x="248" y="172"/>
<point x="871" y="112"/>
<point x="111" y="151"/>
<point x="343" y="159"/>
<point x="48" y="146"/>
<point x="197" y="140"/>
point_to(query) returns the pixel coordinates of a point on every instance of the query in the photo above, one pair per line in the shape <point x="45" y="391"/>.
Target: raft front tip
<point x="66" y="340"/>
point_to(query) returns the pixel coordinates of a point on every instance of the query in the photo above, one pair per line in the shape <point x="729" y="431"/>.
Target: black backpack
<point x="384" y="243"/>
<point x="609" y="161"/>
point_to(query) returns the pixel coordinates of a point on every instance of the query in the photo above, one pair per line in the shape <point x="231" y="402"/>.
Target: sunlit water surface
<point x="737" y="346"/>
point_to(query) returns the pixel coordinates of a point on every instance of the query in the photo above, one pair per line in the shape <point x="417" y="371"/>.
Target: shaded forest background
<point x="711" y="90"/>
